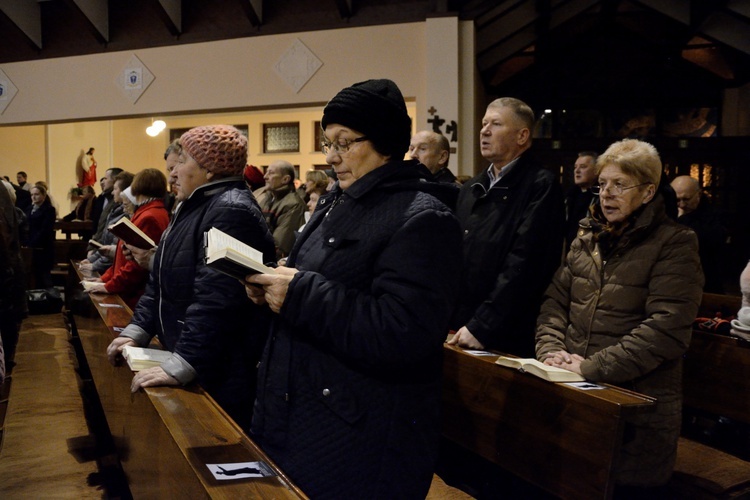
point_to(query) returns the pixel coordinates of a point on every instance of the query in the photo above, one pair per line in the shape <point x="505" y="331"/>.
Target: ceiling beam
<point x="26" y="15"/>
<point x="730" y="30"/>
<point x="741" y="7"/>
<point x="170" y="12"/>
<point x="254" y="11"/>
<point x="96" y="15"/>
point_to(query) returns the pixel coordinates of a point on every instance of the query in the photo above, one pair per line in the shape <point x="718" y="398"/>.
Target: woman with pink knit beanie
<point x="201" y="315"/>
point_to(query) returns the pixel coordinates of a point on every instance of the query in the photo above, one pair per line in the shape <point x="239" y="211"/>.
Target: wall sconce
<point x="156" y="128"/>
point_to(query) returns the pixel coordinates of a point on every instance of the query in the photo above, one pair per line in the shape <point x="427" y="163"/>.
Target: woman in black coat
<point x="41" y="218"/>
<point x="349" y="384"/>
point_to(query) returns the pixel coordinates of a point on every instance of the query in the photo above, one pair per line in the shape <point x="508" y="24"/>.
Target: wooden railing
<point x="563" y="439"/>
<point x="164" y="436"/>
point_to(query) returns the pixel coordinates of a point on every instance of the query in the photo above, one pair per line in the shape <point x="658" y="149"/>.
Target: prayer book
<point x="141" y="358"/>
<point x="231" y="256"/>
<point x="95" y="243"/>
<point x="131" y="235"/>
<point x="539" y="369"/>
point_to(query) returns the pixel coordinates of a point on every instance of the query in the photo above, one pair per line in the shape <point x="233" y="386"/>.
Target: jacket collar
<point x="212" y="188"/>
<point x="392" y="173"/>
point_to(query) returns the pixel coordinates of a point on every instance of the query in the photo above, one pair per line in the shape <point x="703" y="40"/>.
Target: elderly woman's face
<point x="618" y="207"/>
<point x="127" y="205"/>
<point x="188" y="176"/>
<point x="354" y="159"/>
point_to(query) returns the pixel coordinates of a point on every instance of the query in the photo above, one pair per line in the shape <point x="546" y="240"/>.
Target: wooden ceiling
<point x="578" y="51"/>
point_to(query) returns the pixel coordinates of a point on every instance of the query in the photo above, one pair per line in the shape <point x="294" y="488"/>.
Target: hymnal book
<point x="130" y="234"/>
<point x="539" y="369"/>
<point x="95" y="243"/>
<point x="231" y="256"/>
<point x="141" y="358"/>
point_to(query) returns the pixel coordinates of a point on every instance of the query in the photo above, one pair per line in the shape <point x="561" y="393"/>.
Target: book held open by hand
<point x="141" y="358"/>
<point x="231" y="256"/>
<point x="539" y="369"/>
<point x="131" y="234"/>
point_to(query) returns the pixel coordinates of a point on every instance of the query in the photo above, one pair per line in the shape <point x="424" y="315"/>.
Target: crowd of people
<point x="335" y="357"/>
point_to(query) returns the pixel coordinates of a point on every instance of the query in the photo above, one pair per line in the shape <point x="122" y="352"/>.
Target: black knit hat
<point x="375" y="108"/>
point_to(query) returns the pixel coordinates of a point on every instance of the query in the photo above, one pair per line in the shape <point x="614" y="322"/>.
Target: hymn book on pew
<point x="142" y="358"/>
<point x="231" y="256"/>
<point x="131" y="235"/>
<point x="539" y="369"/>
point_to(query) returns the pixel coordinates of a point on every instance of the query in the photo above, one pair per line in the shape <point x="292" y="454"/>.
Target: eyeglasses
<point x="340" y="146"/>
<point x="615" y="188"/>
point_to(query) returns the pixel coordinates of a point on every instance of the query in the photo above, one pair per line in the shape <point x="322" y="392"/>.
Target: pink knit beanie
<point x="220" y="149"/>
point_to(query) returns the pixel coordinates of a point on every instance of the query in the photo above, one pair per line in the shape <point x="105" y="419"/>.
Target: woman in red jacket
<point x="126" y="277"/>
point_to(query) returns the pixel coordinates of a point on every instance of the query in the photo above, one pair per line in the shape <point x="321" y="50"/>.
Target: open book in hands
<point x="231" y="256"/>
<point x="141" y="358"/>
<point x="131" y="234"/>
<point x="539" y="369"/>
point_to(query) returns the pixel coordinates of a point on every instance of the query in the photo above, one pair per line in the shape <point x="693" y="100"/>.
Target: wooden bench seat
<point x="705" y="472"/>
<point x="716" y="381"/>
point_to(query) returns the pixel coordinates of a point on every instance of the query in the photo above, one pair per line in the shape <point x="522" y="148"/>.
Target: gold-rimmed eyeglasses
<point x="340" y="145"/>
<point x="614" y="188"/>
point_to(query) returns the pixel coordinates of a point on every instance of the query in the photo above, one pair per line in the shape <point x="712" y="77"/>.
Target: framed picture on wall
<point x="281" y="137"/>
<point x="176" y="133"/>
<point x="318" y="137"/>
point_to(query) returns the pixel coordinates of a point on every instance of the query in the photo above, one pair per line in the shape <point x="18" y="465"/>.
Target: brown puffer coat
<point x="630" y="318"/>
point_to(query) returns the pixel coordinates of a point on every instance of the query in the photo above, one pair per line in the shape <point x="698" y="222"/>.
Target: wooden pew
<point x="165" y="435"/>
<point x="716" y="381"/>
<point x="562" y="439"/>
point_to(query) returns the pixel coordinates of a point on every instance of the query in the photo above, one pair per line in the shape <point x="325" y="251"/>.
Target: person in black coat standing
<point x="41" y="238"/>
<point x="513" y="219"/>
<point x="349" y="385"/>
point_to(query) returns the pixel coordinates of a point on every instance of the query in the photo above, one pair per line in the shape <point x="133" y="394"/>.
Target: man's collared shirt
<point x="503" y="171"/>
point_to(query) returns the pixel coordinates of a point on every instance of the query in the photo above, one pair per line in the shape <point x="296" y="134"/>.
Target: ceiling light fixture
<point x="156" y="128"/>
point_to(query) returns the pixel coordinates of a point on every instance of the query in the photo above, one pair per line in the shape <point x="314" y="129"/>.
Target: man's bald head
<point x="688" y="194"/>
<point x="431" y="149"/>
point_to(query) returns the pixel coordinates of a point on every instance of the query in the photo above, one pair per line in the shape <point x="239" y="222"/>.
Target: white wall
<point x="68" y="104"/>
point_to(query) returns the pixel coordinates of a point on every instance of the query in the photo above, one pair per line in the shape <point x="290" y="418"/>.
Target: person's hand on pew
<point x="114" y="350"/>
<point x="464" y="338"/>
<point x="96" y="287"/>
<point x="152" y="377"/>
<point x="565" y="360"/>
<point x="85" y="265"/>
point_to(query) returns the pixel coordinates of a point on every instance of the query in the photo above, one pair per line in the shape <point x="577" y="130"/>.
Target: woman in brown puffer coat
<point x="620" y="308"/>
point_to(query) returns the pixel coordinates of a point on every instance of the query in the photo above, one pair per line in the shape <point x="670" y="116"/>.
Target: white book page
<point x="218" y="239"/>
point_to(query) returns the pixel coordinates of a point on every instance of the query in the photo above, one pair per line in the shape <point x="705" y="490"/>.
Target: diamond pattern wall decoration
<point x="297" y="65"/>
<point x="133" y="79"/>
<point x="7" y="91"/>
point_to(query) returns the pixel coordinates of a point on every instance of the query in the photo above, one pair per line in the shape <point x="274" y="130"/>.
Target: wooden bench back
<point x="716" y="376"/>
